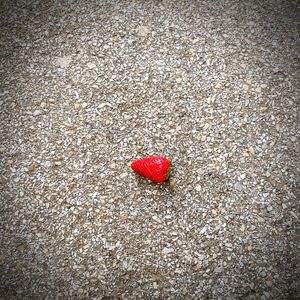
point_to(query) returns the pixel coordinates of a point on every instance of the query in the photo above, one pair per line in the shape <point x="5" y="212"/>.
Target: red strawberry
<point x="155" y="168"/>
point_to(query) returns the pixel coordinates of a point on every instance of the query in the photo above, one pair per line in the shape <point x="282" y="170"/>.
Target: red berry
<point x="155" y="168"/>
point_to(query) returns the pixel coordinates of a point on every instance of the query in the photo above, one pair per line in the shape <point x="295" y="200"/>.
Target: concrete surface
<point x="89" y="86"/>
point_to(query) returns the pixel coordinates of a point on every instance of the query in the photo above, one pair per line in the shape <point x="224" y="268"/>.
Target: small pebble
<point x="269" y="283"/>
<point x="37" y="112"/>
<point x="142" y="31"/>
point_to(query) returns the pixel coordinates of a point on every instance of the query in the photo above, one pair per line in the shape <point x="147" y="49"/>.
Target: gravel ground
<point x="88" y="87"/>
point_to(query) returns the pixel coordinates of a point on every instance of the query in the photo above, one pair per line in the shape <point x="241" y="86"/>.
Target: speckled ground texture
<point x="88" y="87"/>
